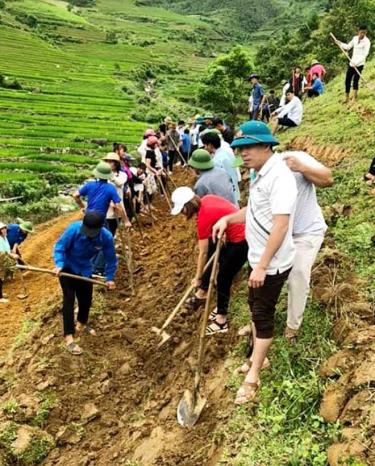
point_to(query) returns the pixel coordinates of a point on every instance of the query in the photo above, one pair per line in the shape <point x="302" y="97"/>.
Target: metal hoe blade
<point x="190" y="408"/>
<point x="163" y="334"/>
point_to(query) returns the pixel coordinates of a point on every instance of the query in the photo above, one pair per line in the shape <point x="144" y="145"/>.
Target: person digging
<point x="74" y="253"/>
<point x="7" y="258"/>
<point x="233" y="256"/>
<point x="17" y="234"/>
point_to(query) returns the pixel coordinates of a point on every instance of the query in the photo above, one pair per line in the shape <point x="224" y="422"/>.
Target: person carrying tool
<point x="361" y="48"/>
<point x="6" y="256"/>
<point x="208" y="210"/>
<point x="74" y="253"/>
<point x="100" y="194"/>
<point x="211" y="180"/>
<point x="173" y="140"/>
<point x="16" y="235"/>
<point x="269" y="226"/>
<point x="118" y="181"/>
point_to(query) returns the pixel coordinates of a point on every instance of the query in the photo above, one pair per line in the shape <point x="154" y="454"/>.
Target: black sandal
<point x="215" y="327"/>
<point x="194" y="302"/>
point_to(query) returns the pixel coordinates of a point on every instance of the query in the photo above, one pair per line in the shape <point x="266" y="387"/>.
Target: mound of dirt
<point x="117" y="403"/>
<point x="330" y="155"/>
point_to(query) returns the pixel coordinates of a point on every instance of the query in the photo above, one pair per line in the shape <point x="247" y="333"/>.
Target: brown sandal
<point x="247" y="393"/>
<point x="244" y="369"/>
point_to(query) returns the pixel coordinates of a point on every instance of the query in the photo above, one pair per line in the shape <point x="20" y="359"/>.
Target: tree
<point x="224" y="86"/>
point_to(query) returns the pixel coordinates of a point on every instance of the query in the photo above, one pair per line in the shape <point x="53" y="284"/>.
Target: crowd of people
<point x="287" y="111"/>
<point x="278" y="232"/>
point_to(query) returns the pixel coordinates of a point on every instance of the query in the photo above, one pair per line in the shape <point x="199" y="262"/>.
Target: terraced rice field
<point x="83" y="75"/>
<point x="72" y="79"/>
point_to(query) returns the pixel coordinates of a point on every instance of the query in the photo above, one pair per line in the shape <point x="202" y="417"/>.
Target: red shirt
<point x="212" y="209"/>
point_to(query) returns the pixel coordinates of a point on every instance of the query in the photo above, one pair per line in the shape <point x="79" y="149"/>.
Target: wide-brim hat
<point x="201" y="160"/>
<point x="3" y="225"/>
<point x="314" y="62"/>
<point x="168" y="120"/>
<point x="253" y="75"/>
<point x="112" y="156"/>
<point x="103" y="171"/>
<point x="254" y="132"/>
<point x="180" y="197"/>
<point x="208" y="117"/>
<point x="25" y="225"/>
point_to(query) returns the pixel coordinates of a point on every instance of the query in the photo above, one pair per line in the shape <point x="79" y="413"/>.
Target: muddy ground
<point x="118" y="402"/>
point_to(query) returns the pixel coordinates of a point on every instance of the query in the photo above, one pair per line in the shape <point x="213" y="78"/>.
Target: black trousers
<point x="262" y="302"/>
<point x="312" y="93"/>
<point x="112" y="224"/>
<point x="73" y="289"/>
<point x="352" y="75"/>
<point x="233" y="256"/>
<point x="172" y="154"/>
<point x="1" y="288"/>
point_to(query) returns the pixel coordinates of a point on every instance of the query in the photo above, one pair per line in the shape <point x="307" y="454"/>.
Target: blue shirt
<point x="185" y="143"/>
<point x="99" y="195"/>
<point x="75" y="251"/>
<point x="318" y="86"/>
<point x="257" y="94"/>
<point x="225" y="160"/>
<point x="15" y="235"/>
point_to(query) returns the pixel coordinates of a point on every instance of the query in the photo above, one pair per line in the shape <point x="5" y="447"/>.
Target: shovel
<point x="192" y="403"/>
<point x="161" y="331"/>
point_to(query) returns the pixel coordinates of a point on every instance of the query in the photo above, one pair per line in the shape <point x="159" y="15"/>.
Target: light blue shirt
<point x="224" y="159"/>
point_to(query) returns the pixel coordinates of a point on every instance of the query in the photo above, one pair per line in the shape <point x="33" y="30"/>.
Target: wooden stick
<point x="184" y="162"/>
<point x="164" y="191"/>
<point x="347" y="56"/>
<point x="62" y="274"/>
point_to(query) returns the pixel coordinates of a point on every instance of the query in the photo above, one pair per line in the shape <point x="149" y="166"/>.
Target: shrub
<point x="29" y="20"/>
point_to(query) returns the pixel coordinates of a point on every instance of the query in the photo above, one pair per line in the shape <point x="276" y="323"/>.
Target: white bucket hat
<point x="3" y="225"/>
<point x="180" y="197"/>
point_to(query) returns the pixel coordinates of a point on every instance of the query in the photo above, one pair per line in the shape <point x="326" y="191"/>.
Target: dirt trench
<point x="129" y="387"/>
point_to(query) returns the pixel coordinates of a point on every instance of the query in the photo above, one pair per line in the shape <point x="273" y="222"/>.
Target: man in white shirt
<point x="290" y="115"/>
<point x="361" y="48"/>
<point x="269" y="224"/>
<point x="309" y="228"/>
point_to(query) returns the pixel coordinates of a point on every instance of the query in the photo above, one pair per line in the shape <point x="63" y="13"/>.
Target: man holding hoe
<point x="361" y="48"/>
<point x="269" y="223"/>
<point x="73" y="253"/>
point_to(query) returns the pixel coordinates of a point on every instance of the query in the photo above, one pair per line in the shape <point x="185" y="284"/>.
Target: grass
<point x="286" y="429"/>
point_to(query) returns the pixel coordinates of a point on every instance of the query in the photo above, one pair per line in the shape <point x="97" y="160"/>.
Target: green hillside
<point x="103" y="73"/>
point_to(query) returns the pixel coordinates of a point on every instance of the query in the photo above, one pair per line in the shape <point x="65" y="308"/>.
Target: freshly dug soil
<point x="117" y="402"/>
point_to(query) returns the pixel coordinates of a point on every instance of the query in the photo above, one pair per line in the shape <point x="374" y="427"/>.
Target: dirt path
<point x="36" y="251"/>
<point x="134" y="386"/>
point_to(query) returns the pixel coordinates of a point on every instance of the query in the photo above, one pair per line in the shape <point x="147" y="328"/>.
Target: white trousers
<point x="307" y="248"/>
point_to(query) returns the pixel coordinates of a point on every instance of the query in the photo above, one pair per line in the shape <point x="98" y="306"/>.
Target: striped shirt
<point x="272" y="192"/>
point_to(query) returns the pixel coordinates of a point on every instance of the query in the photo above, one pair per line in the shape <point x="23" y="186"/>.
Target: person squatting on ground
<point x="268" y="216"/>
<point x="211" y="180"/>
<point x="7" y="258"/>
<point x="316" y="88"/>
<point x="361" y="48"/>
<point x="290" y="114"/>
<point x="74" y="253"/>
<point x="16" y="234"/>
<point x="233" y="255"/>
